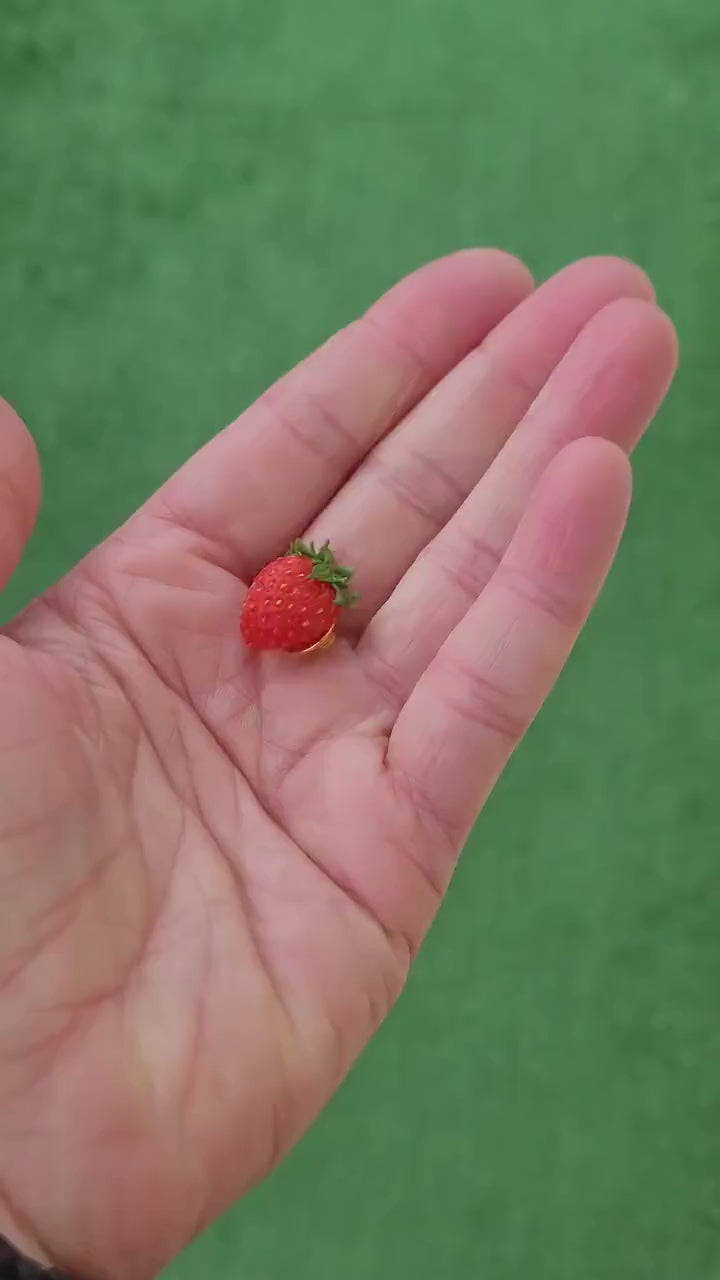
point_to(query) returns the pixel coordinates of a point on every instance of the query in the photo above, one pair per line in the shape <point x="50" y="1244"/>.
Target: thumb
<point x="19" y="490"/>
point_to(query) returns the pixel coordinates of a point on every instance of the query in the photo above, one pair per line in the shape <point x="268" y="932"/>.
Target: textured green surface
<point x="193" y="193"/>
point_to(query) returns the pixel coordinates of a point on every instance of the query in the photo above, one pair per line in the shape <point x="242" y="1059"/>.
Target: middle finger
<point x="413" y="481"/>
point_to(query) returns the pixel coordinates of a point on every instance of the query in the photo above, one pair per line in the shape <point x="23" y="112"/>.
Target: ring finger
<point x="609" y="385"/>
<point x="413" y="481"/>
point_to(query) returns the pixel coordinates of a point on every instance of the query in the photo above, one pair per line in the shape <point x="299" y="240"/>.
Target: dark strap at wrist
<point x="13" y="1266"/>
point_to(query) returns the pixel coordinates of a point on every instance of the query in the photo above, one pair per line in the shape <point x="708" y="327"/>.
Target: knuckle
<point x="476" y="697"/>
<point x="548" y="598"/>
<point x="466" y="558"/>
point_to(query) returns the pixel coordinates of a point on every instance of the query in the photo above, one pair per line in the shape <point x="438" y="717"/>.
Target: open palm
<point x="216" y="867"/>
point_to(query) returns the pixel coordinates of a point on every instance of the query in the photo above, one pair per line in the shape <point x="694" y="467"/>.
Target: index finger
<point x="262" y="480"/>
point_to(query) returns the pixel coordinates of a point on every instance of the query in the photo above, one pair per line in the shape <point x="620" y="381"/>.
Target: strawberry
<point x="293" y="603"/>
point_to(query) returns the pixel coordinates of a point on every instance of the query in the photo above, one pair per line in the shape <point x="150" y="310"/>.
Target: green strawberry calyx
<point x="326" y="569"/>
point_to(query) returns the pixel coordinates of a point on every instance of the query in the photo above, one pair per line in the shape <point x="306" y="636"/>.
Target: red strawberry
<point x="293" y="603"/>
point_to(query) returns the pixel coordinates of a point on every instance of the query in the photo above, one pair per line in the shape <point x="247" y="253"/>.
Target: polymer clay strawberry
<point x="294" y="602"/>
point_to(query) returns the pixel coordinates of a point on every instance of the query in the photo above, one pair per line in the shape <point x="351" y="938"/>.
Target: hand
<point x="216" y="867"/>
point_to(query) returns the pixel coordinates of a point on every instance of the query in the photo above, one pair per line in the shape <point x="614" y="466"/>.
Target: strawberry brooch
<point x="294" y="602"/>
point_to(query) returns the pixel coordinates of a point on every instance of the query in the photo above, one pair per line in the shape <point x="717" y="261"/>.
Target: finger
<point x="259" y="483"/>
<point x="19" y="490"/>
<point x="489" y="680"/>
<point x="609" y="384"/>
<point x="417" y="476"/>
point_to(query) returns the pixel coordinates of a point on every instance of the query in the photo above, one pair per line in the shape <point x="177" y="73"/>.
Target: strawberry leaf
<point x="326" y="569"/>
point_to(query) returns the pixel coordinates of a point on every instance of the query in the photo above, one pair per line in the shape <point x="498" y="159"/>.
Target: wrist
<point x="20" y="1236"/>
<point x="18" y="1241"/>
<point x="15" y="1264"/>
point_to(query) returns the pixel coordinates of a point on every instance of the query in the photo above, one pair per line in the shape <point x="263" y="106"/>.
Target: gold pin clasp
<point x="325" y="642"/>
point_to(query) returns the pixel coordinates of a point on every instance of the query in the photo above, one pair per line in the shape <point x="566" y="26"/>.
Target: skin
<point x="217" y="867"/>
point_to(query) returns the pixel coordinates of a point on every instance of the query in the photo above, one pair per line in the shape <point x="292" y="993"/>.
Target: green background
<point x="192" y="194"/>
